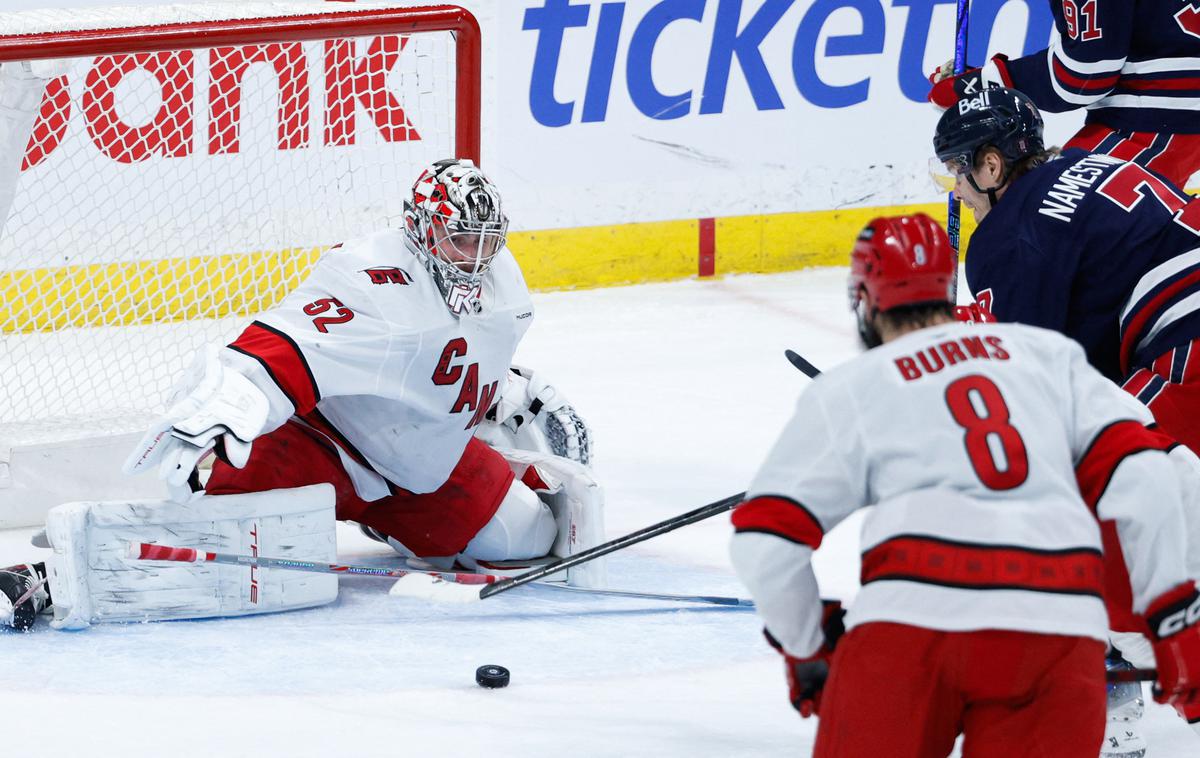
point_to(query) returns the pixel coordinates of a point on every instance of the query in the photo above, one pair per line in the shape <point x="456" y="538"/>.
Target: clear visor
<point x="468" y="247"/>
<point x="945" y="173"/>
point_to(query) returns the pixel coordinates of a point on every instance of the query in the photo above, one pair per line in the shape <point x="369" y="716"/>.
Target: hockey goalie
<point x="380" y="391"/>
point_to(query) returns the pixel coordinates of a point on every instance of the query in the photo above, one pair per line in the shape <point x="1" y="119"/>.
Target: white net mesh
<point x="165" y="197"/>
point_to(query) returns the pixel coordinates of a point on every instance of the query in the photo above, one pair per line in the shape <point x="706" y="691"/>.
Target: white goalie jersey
<point x="990" y="454"/>
<point x="367" y="352"/>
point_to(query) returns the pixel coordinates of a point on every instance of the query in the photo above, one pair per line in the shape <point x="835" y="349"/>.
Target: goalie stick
<point x="148" y="552"/>
<point x="145" y="551"/>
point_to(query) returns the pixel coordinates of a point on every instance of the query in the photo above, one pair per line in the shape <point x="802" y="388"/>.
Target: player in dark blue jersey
<point x="1097" y="248"/>
<point x="1135" y="66"/>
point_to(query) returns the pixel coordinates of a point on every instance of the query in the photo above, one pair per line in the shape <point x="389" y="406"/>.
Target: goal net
<point x="167" y="173"/>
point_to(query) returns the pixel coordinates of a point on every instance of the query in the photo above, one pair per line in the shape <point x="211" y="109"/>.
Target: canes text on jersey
<point x="471" y="396"/>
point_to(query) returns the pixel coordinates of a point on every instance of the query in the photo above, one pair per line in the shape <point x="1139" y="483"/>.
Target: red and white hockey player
<point x="981" y="609"/>
<point x="378" y="375"/>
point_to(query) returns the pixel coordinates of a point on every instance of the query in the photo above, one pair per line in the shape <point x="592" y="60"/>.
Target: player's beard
<point x="868" y="335"/>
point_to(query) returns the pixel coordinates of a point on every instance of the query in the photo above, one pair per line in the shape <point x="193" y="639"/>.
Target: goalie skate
<point x="1122" y="740"/>
<point x="1122" y="735"/>
<point x="23" y="595"/>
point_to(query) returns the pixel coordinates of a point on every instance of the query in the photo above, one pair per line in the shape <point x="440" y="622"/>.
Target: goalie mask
<point x="455" y="221"/>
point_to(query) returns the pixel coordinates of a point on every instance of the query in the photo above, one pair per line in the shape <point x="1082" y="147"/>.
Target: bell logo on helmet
<point x="980" y="102"/>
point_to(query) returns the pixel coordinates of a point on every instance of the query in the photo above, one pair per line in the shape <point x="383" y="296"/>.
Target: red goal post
<point x="179" y="169"/>
<point x="264" y="29"/>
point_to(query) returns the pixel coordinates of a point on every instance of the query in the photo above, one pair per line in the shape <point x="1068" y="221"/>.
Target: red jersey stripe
<point x="1114" y="444"/>
<point x="282" y="359"/>
<point x="931" y="560"/>
<point x="781" y="517"/>
<point x="1100" y="84"/>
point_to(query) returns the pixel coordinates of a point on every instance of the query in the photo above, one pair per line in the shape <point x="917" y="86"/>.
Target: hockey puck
<point x="491" y="677"/>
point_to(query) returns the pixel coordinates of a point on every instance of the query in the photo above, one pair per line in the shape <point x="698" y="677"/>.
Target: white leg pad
<point x="577" y="501"/>
<point x="92" y="580"/>
<point x="523" y="527"/>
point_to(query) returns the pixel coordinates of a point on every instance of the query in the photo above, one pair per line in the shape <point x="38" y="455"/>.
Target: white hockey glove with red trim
<point x="213" y="408"/>
<point x="530" y="407"/>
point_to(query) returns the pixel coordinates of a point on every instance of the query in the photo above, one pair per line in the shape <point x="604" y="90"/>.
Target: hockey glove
<point x="806" y="676"/>
<point x="949" y="88"/>
<point x="215" y="408"/>
<point x="1174" y="620"/>
<point x="528" y="400"/>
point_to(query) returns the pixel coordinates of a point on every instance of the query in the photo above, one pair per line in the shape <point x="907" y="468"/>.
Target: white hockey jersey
<point x="990" y="454"/>
<point x="366" y="351"/>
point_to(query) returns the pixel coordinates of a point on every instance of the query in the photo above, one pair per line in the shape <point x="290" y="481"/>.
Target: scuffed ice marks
<point x="369" y="641"/>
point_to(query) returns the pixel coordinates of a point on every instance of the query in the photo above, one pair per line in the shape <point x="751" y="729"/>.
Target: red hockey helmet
<point x="901" y="260"/>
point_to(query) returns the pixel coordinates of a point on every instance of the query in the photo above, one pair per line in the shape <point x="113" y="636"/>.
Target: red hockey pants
<point x="438" y="523"/>
<point x="900" y="691"/>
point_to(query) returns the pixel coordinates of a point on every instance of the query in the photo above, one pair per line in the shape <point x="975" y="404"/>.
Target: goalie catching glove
<point x="534" y="415"/>
<point x="214" y="408"/>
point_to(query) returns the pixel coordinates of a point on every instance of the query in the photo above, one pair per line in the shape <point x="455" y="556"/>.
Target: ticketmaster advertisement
<point x="633" y="140"/>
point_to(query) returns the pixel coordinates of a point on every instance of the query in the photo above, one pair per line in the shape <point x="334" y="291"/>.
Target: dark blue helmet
<point x="1000" y="117"/>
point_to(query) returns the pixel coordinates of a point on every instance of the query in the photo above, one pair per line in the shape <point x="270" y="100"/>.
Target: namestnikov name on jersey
<point x="1102" y="250"/>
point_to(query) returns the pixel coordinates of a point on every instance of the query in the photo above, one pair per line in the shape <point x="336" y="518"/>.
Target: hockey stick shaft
<point x="735" y="602"/>
<point x="147" y="552"/>
<point x="954" y="208"/>
<point x="29" y="592"/>
<point x="1130" y="675"/>
<point x="654" y="530"/>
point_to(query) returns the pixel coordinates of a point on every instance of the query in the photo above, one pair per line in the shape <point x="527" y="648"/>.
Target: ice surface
<point x="686" y="387"/>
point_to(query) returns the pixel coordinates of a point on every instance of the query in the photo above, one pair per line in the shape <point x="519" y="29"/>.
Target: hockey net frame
<point x="76" y="441"/>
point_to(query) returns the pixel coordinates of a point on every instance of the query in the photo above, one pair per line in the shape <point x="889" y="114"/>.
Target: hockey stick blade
<point x="797" y="360"/>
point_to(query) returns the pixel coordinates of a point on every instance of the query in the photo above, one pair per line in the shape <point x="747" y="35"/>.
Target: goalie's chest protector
<point x="404" y="382"/>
